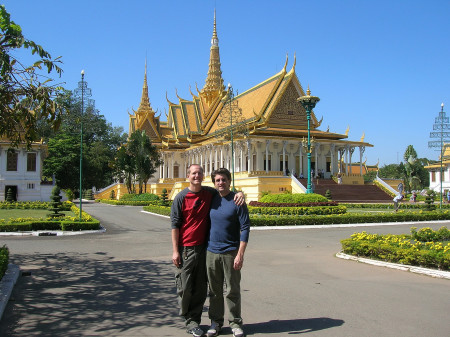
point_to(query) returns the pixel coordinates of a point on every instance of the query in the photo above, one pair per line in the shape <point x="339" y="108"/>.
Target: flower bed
<point x="33" y="205"/>
<point x="404" y="249"/>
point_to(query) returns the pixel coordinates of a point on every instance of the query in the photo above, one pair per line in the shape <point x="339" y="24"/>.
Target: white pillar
<point x="249" y="156"/>
<point x="362" y="149"/>
<point x="284" y="154"/>
<point x="267" y="155"/>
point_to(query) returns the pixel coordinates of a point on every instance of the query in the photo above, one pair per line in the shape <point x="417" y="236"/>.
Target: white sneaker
<point x="237" y="332"/>
<point x="213" y="330"/>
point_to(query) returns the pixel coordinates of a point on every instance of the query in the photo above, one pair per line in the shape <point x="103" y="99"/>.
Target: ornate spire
<point x="214" y="82"/>
<point x="144" y="106"/>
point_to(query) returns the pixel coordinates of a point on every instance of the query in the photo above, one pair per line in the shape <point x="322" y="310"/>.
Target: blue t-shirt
<point x="230" y="224"/>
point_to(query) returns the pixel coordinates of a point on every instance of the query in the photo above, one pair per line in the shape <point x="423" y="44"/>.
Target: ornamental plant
<point x="56" y="205"/>
<point x="402" y="249"/>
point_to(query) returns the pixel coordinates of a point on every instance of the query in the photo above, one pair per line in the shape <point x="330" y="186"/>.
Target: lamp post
<point x="81" y="142"/>
<point x="309" y="102"/>
<point x="231" y="95"/>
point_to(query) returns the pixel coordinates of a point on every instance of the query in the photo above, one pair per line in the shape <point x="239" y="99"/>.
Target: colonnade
<point x="263" y="156"/>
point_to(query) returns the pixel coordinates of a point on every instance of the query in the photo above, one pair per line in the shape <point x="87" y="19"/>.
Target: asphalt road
<point x="120" y="283"/>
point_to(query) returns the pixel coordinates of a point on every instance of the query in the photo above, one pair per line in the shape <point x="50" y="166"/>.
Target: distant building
<point x="21" y="172"/>
<point x="434" y="170"/>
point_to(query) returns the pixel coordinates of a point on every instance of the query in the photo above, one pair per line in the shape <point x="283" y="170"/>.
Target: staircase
<point x="349" y="193"/>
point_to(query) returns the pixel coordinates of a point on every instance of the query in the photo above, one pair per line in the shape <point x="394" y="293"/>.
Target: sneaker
<point x="213" y="330"/>
<point x="196" y="331"/>
<point x="237" y="332"/>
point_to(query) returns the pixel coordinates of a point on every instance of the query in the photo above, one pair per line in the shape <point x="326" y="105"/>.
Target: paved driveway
<point x="120" y="284"/>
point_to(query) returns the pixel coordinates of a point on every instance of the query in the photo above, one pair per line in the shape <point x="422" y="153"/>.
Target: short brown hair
<point x="222" y="171"/>
<point x="189" y="168"/>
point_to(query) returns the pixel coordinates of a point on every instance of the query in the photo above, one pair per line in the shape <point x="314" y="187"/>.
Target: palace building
<point x="260" y="132"/>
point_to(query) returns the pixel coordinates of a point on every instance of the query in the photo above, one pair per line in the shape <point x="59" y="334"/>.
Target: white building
<point x="21" y="171"/>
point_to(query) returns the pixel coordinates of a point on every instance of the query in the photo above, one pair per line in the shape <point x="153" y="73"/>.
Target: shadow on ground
<point x="81" y="294"/>
<point x="292" y="326"/>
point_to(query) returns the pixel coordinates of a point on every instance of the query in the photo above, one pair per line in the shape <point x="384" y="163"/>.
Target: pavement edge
<point x="7" y="284"/>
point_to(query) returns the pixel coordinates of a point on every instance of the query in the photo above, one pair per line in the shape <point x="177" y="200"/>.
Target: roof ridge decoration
<point x="144" y="105"/>
<point x="214" y="82"/>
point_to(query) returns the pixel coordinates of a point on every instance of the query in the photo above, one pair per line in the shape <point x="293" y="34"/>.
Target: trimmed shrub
<point x="139" y="197"/>
<point x="293" y="198"/>
<point x="324" y="210"/>
<point x="163" y="210"/>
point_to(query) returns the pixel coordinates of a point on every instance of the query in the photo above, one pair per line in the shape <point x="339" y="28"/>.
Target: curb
<point x="403" y="267"/>
<point x="53" y="233"/>
<point x="7" y="284"/>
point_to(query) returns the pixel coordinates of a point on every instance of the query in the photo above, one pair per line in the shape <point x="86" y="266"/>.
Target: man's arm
<point x="176" y="259"/>
<point x="239" y="259"/>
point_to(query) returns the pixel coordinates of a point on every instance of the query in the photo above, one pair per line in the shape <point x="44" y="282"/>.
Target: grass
<point x="6" y="214"/>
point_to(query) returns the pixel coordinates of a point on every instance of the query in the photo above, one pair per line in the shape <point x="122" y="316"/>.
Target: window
<point x="31" y="162"/>
<point x="433" y="176"/>
<point x="11" y="161"/>
<point x="176" y="172"/>
<point x="270" y="164"/>
<point x="285" y="163"/>
<point x="30" y="186"/>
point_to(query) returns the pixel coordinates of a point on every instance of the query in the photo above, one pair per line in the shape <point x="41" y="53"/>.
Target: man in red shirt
<point x="190" y="226"/>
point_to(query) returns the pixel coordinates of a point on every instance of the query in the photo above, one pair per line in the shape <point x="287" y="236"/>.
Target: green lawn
<point x="6" y="214"/>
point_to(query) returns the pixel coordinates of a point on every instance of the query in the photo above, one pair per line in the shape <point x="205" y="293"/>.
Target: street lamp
<point x="309" y="102"/>
<point x="81" y="142"/>
<point x="231" y="95"/>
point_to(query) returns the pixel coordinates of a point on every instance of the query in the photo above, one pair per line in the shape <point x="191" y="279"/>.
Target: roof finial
<point x="308" y="92"/>
<point x="215" y="39"/>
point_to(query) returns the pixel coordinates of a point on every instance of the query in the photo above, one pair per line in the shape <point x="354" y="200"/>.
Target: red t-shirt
<point x="190" y="213"/>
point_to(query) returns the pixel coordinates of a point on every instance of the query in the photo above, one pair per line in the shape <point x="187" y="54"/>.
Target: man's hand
<point x="239" y="199"/>
<point x="238" y="262"/>
<point x="176" y="259"/>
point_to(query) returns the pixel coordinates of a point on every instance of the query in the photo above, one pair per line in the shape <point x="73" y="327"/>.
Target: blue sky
<point x="381" y="67"/>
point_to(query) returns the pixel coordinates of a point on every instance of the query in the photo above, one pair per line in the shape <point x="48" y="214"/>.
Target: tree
<point x="26" y="95"/>
<point x="145" y="158"/>
<point x="63" y="160"/>
<point x="137" y="161"/>
<point x="100" y="143"/>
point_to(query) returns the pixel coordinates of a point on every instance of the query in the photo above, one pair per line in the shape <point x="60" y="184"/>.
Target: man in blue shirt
<point x="228" y="237"/>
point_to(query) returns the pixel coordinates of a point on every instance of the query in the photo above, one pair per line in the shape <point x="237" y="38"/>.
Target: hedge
<point x="293" y="198"/>
<point x="33" y="205"/>
<point x="399" y="249"/>
<point x="140" y="197"/>
<point x="163" y="210"/>
<point x="390" y="205"/>
<point x="323" y="210"/>
<point x="272" y="220"/>
<point x="127" y="202"/>
<point x="50" y="225"/>
<point x="4" y="260"/>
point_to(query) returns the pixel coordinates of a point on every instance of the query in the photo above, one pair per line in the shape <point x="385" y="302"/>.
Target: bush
<point x="139" y="197"/>
<point x="298" y="210"/>
<point x="427" y="234"/>
<point x="163" y="210"/>
<point x="399" y="249"/>
<point x="4" y="260"/>
<point x="293" y="198"/>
